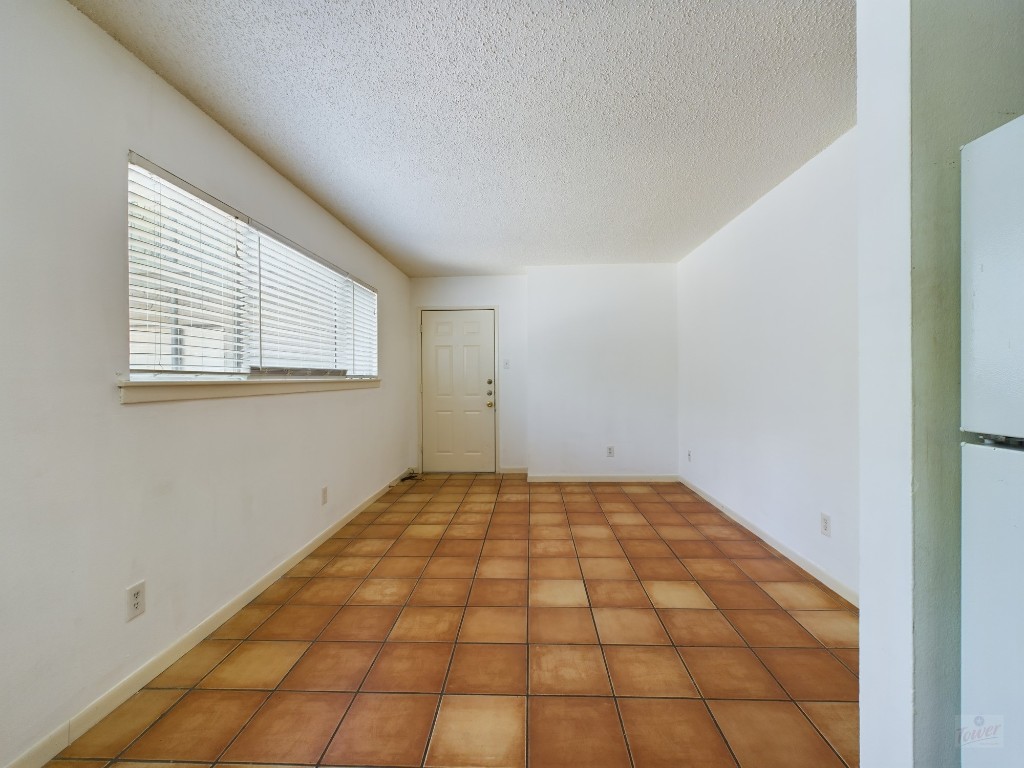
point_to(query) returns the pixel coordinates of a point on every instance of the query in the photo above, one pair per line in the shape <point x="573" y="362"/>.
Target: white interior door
<point x="458" y="390"/>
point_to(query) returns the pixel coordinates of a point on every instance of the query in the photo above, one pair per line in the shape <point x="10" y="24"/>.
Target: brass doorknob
<point x="490" y="403"/>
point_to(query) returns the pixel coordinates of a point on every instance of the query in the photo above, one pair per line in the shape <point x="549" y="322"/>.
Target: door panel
<point x="458" y="362"/>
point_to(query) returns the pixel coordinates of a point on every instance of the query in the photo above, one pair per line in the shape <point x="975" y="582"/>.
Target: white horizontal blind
<point x="191" y="286"/>
<point x="305" y="311"/>
<point x="209" y="293"/>
<point x="364" y="344"/>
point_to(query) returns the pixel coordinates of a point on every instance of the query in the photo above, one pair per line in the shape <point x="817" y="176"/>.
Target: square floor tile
<point x="279" y="592"/>
<point x="241" y="625"/>
<point x="427" y="624"/>
<point x="255" y="664"/>
<point x="359" y="622"/>
<point x="493" y="625"/>
<point x="772" y="734"/>
<point x="677" y="594"/>
<point x="701" y="550"/>
<point x="561" y="625"/>
<point x="769" y="569"/>
<point x="667" y="733"/>
<point x="295" y="622"/>
<point x="850" y="657"/>
<point x="413" y="548"/>
<point x="555" y="568"/>
<point x="558" y="593"/>
<point x="617" y="594"/>
<point x="809" y="674"/>
<point x="799" y="595"/>
<point x="383" y="592"/>
<point x="367" y="547"/>
<point x="552" y="548"/>
<point x="122" y="726"/>
<point x="198" y="727"/>
<point x="463" y="567"/>
<point x="441" y="592"/>
<point x="771" y="629"/>
<point x="568" y="670"/>
<point x="290" y="728"/>
<point x="506" y="548"/>
<point x="649" y="671"/>
<point x="598" y="548"/>
<point x="309" y="566"/>
<point x="383" y="729"/>
<point x="606" y="568"/>
<point x="479" y="731"/>
<point x="349" y="567"/>
<point x="714" y="569"/>
<point x="423" y="531"/>
<point x="699" y="627"/>
<point x="840" y="724"/>
<point x="325" y="591"/>
<point x="629" y="626"/>
<point x="499" y="592"/>
<point x="835" y="629"/>
<point x="569" y="731"/>
<point x="640" y="548"/>
<point x="399" y="568"/>
<point x="730" y="673"/>
<point x="738" y="594"/>
<point x="660" y="569"/>
<point x="332" y="667"/>
<point x="502" y="568"/>
<point x="743" y="549"/>
<point x="488" y="669"/>
<point x="459" y="548"/>
<point x="193" y="666"/>
<point x="409" y="668"/>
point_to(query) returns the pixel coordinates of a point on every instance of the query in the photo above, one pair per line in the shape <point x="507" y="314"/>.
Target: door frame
<point x="419" y="378"/>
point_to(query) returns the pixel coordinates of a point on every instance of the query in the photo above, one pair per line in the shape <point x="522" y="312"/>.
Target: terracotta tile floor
<point x="477" y="620"/>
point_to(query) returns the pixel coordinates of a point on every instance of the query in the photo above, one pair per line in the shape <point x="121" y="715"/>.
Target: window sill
<point x="205" y="389"/>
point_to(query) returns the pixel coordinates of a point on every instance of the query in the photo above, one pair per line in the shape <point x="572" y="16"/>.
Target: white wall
<point x="201" y="498"/>
<point x="602" y="371"/>
<point x="508" y="295"/>
<point x="768" y="365"/>
<point x="884" y="381"/>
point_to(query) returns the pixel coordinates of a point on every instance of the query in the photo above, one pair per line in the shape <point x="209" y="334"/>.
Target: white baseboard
<point x="603" y="478"/>
<point x="825" y="578"/>
<point x="46" y="748"/>
<point x="513" y="470"/>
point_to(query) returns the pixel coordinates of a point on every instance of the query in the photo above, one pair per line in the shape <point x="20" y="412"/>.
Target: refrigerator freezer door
<point x="992" y="619"/>
<point x="992" y="286"/>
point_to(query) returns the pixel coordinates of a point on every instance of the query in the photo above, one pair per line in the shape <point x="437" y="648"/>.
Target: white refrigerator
<point x="992" y="418"/>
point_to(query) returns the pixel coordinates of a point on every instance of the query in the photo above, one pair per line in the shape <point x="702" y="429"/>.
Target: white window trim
<point x="134" y="392"/>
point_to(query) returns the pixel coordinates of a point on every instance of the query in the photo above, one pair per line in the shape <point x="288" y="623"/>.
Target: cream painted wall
<point x="200" y="499"/>
<point x="508" y="295"/>
<point x="967" y="78"/>
<point x="768" y="364"/>
<point x="602" y="371"/>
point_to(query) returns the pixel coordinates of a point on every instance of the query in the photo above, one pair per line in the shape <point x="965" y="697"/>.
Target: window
<point x="214" y="294"/>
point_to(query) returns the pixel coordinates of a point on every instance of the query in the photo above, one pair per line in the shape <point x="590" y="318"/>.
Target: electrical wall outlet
<point x="826" y="524"/>
<point x="323" y="496"/>
<point x="610" y="452"/>
<point x="136" y="605"/>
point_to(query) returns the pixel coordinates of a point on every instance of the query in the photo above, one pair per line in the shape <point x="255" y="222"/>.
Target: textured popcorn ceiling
<point x="476" y="137"/>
